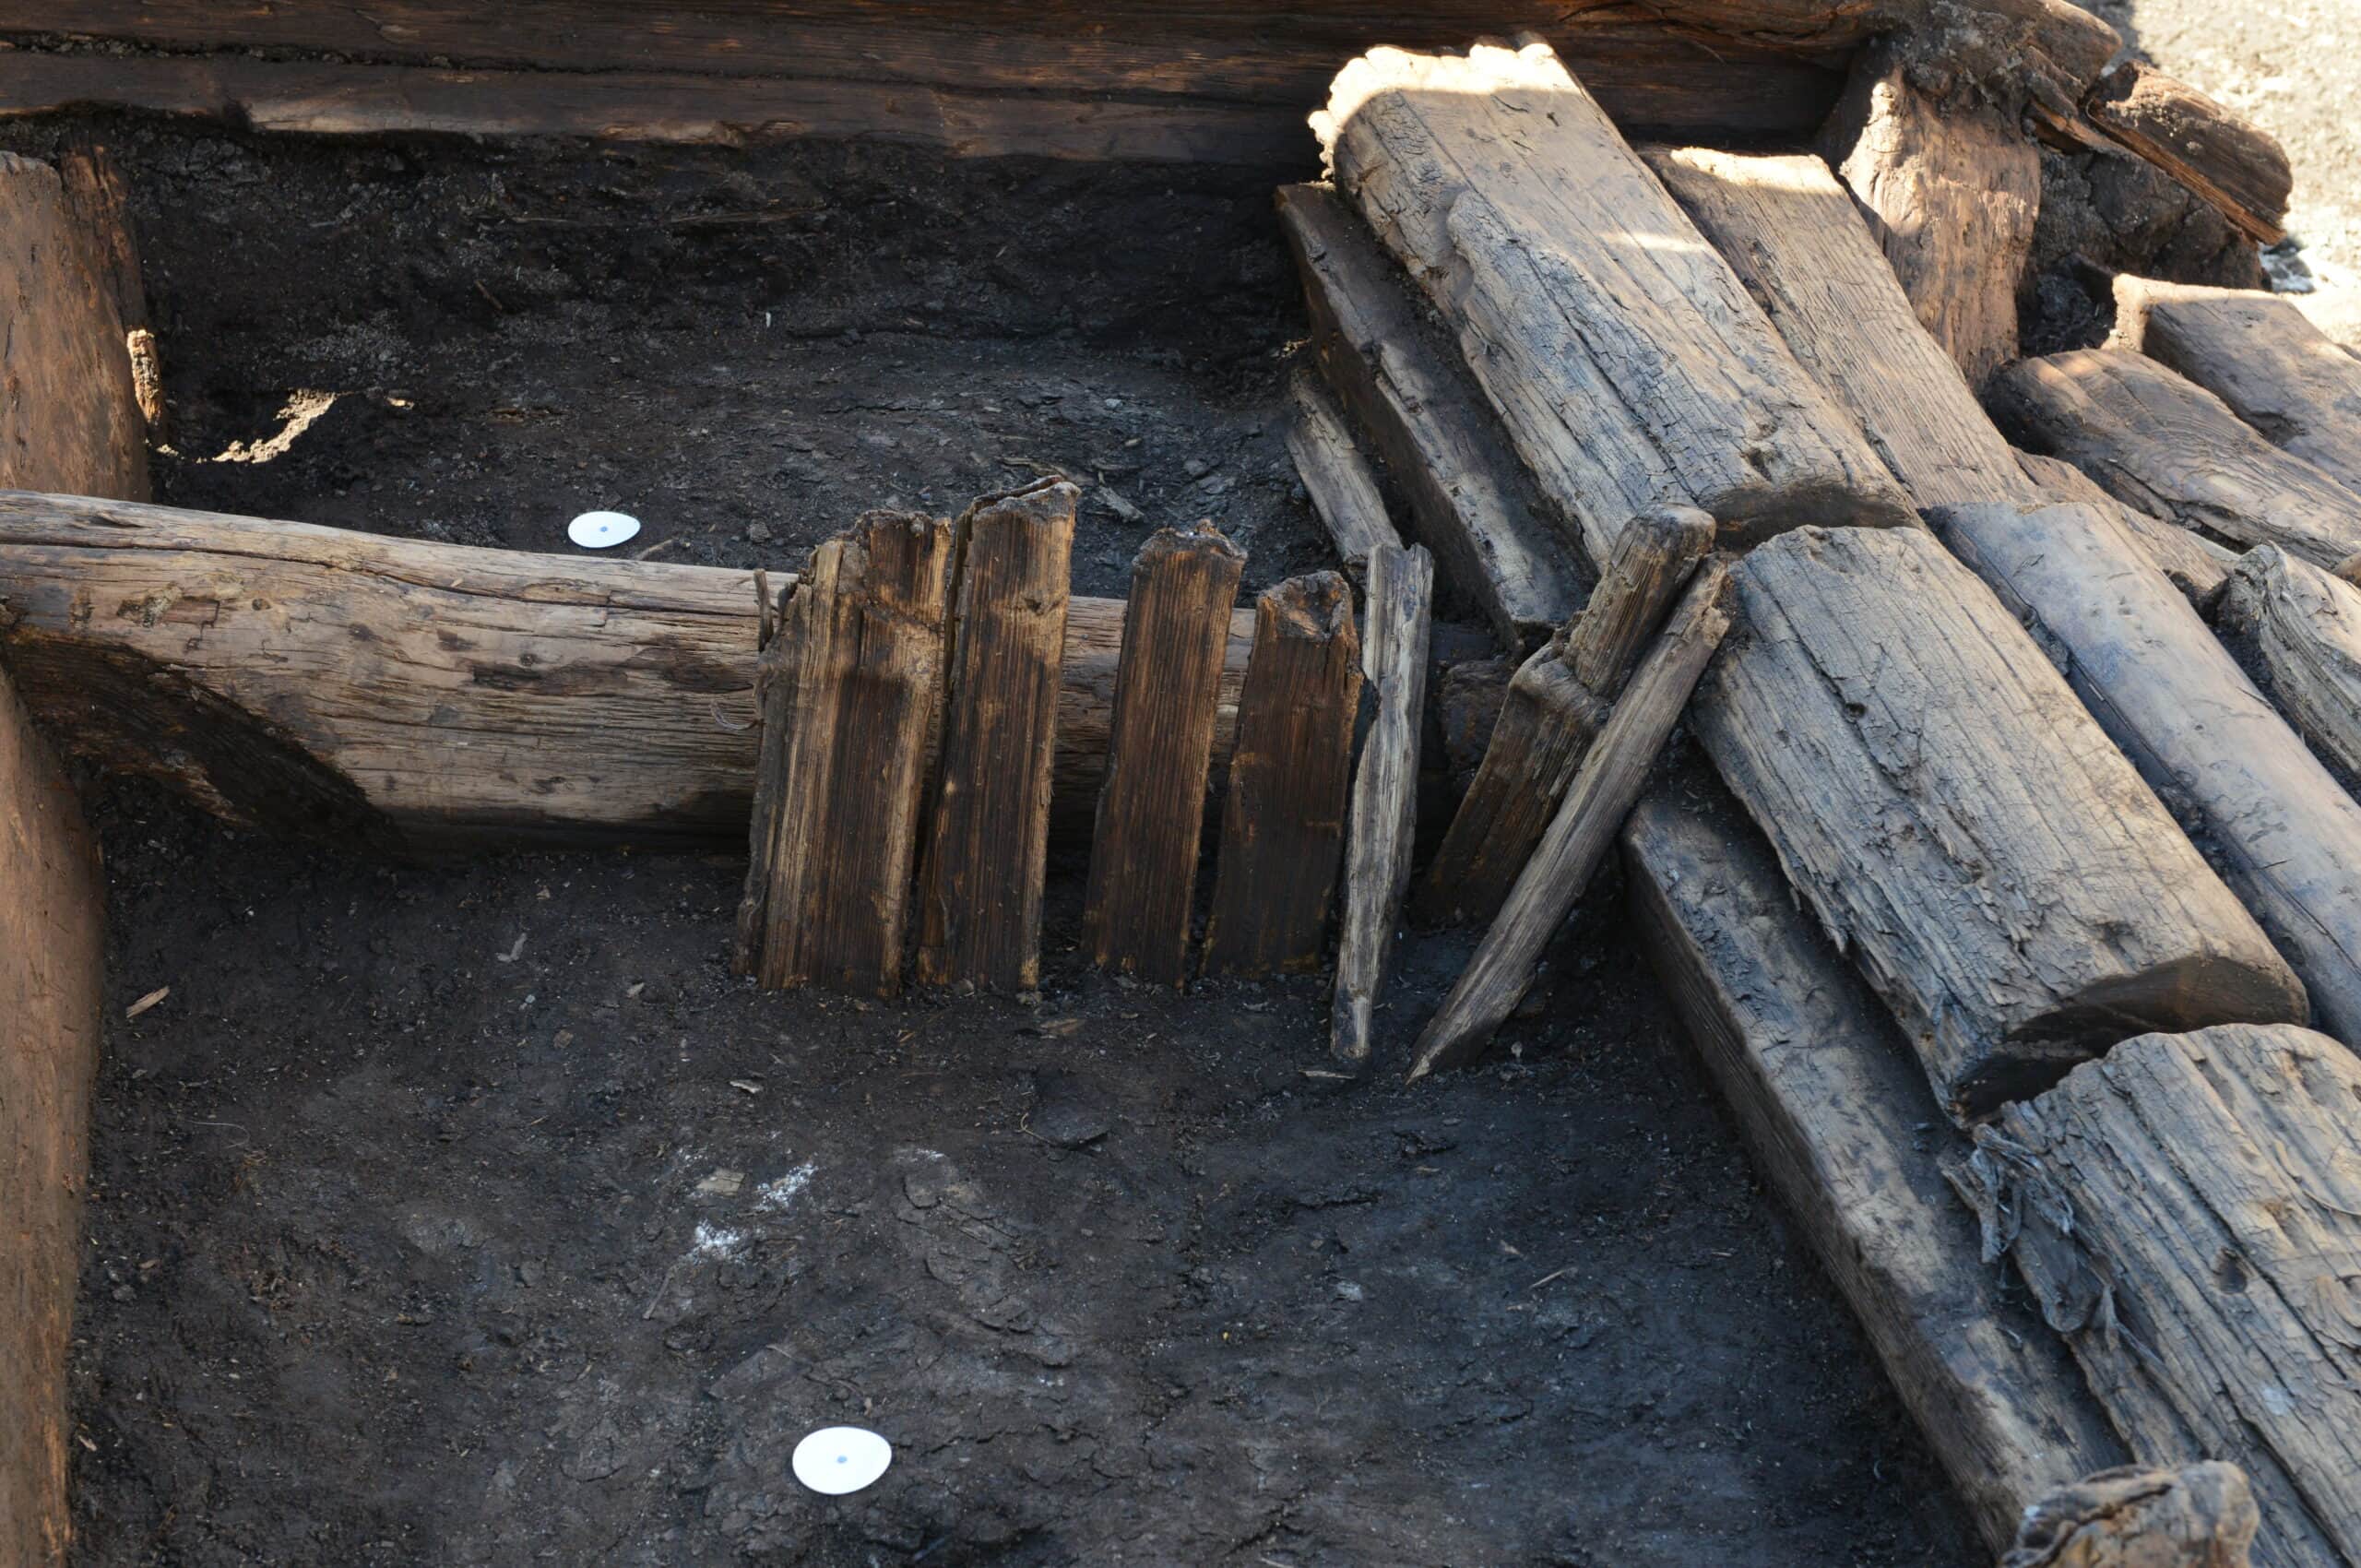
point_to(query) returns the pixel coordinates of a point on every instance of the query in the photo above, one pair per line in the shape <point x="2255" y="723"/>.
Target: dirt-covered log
<point x="1837" y="1118"/>
<point x="1395" y="629"/>
<point x="1466" y="491"/>
<point x="1623" y="356"/>
<point x="2229" y="160"/>
<point x="1961" y="825"/>
<point x="2186" y="1211"/>
<point x="69" y="413"/>
<point x="2261" y="355"/>
<point x="988" y="839"/>
<point x="2202" y="1515"/>
<point x="2286" y="837"/>
<point x="1953" y="191"/>
<point x="2304" y="627"/>
<point x="2160" y="443"/>
<point x="2194" y="563"/>
<point x="1152" y="806"/>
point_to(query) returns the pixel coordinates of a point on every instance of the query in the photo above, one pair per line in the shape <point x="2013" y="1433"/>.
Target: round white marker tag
<point x="837" y="1460"/>
<point x="599" y="531"/>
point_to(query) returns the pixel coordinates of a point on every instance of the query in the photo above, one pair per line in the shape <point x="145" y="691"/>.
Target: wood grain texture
<point x="99" y="198"/>
<point x="53" y="967"/>
<point x="1473" y="505"/>
<point x="2192" y="562"/>
<point x="2188" y="1213"/>
<point x="69" y="415"/>
<point x="1625" y="360"/>
<point x="851" y="695"/>
<point x="1396" y="624"/>
<point x="987" y="840"/>
<point x="1151" y="808"/>
<point x="2224" y="158"/>
<point x="1960" y="825"/>
<point x="1797" y="241"/>
<point x="2258" y="353"/>
<point x="1338" y="478"/>
<point x="2160" y="443"/>
<point x="2285" y="836"/>
<point x="1283" y="818"/>
<point x="298" y="678"/>
<point x="2303" y="626"/>
<point x="2200" y="1516"/>
<point x="1952" y="191"/>
<point x="1653" y="560"/>
<point x="1582" y="832"/>
<point x="1838" y="1120"/>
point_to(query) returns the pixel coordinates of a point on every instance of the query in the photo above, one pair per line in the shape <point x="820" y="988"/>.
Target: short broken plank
<point x="1957" y="821"/>
<point x="1342" y="489"/>
<point x="1283" y="820"/>
<point x="1152" y="807"/>
<point x="1652" y="563"/>
<point x="2224" y="158"/>
<point x="2196" y="565"/>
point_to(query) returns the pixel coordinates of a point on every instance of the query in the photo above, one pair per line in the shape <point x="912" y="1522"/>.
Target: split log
<point x="2231" y="162"/>
<point x="2200" y="1516"/>
<point x="1953" y="191"/>
<point x="1397" y="625"/>
<point x="100" y="201"/>
<point x="1556" y="703"/>
<point x="2304" y="627"/>
<point x="1582" y="833"/>
<point x="1468" y="492"/>
<point x="2186" y="1211"/>
<point x="1283" y="820"/>
<point x="2287" y="838"/>
<point x="1623" y="356"/>
<point x="53" y="968"/>
<point x="1960" y="825"/>
<point x="1798" y="243"/>
<point x="69" y="415"/>
<point x="2193" y="563"/>
<point x="1151" y="808"/>
<point x="851" y="694"/>
<point x="986" y="849"/>
<point x="1836" y="1115"/>
<point x="1342" y="490"/>
<point x="2258" y="353"/>
<point x="2163" y="444"/>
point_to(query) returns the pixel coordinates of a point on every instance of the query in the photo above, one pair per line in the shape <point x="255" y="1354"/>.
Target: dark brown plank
<point x="69" y="415"/>
<point x="2228" y="159"/>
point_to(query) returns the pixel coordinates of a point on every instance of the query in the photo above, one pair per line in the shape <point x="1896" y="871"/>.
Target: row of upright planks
<point x="1987" y="828"/>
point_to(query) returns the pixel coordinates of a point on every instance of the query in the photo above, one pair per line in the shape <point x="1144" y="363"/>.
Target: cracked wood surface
<point x="2304" y="627"/>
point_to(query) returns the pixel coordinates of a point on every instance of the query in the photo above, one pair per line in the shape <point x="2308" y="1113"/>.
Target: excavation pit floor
<point x="472" y="1212"/>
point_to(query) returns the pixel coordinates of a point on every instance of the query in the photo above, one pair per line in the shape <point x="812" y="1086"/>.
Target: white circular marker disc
<point x="598" y="531"/>
<point x="837" y="1460"/>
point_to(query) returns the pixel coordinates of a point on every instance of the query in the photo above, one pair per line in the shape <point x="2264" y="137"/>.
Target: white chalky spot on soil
<point x="779" y="1191"/>
<point x="713" y="1241"/>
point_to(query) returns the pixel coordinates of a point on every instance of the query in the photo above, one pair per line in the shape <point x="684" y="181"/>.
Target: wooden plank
<point x="69" y="416"/>
<point x="2303" y="626"/>
<point x="2188" y="1213"/>
<point x="2258" y="353"/>
<point x="2231" y="162"/>
<point x="510" y="697"/>
<point x="99" y="199"/>
<point x="1652" y="563"/>
<point x="1960" y="825"/>
<point x="1397" y="625"/>
<point x="2200" y="1516"/>
<point x="1283" y="820"/>
<point x="1797" y="241"/>
<point x="2193" y="563"/>
<point x="851" y="695"/>
<point x="1624" y="358"/>
<point x="2286" y="837"/>
<point x="1837" y="1118"/>
<point x="1342" y="489"/>
<point x="1473" y="505"/>
<point x="986" y="847"/>
<point x="2166" y="446"/>
<point x="1952" y="191"/>
<point x="1151" y="808"/>
<point x="53" y="969"/>
<point x="1579" y="836"/>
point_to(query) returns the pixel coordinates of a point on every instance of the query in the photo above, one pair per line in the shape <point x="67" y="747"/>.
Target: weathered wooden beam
<point x="2202" y="1515"/>
<point x="1472" y="501"/>
<point x="1839" y="1123"/>
<point x="2229" y="160"/>
<point x="2286" y="837"/>
<point x="2258" y="353"/>
<point x="2303" y="626"/>
<point x="1396" y="627"/>
<point x="2187" y="1212"/>
<point x="2162" y="443"/>
<point x="1960" y="825"/>
<point x="1151" y="808"/>
<point x="1652" y="563"/>
<point x="851" y="694"/>
<point x="1338" y="478"/>
<point x="69" y="415"/>
<point x="1952" y="191"/>
<point x="1283" y="819"/>
<point x="2193" y="563"/>
<point x="987" y="840"/>
<point x="1625" y="360"/>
